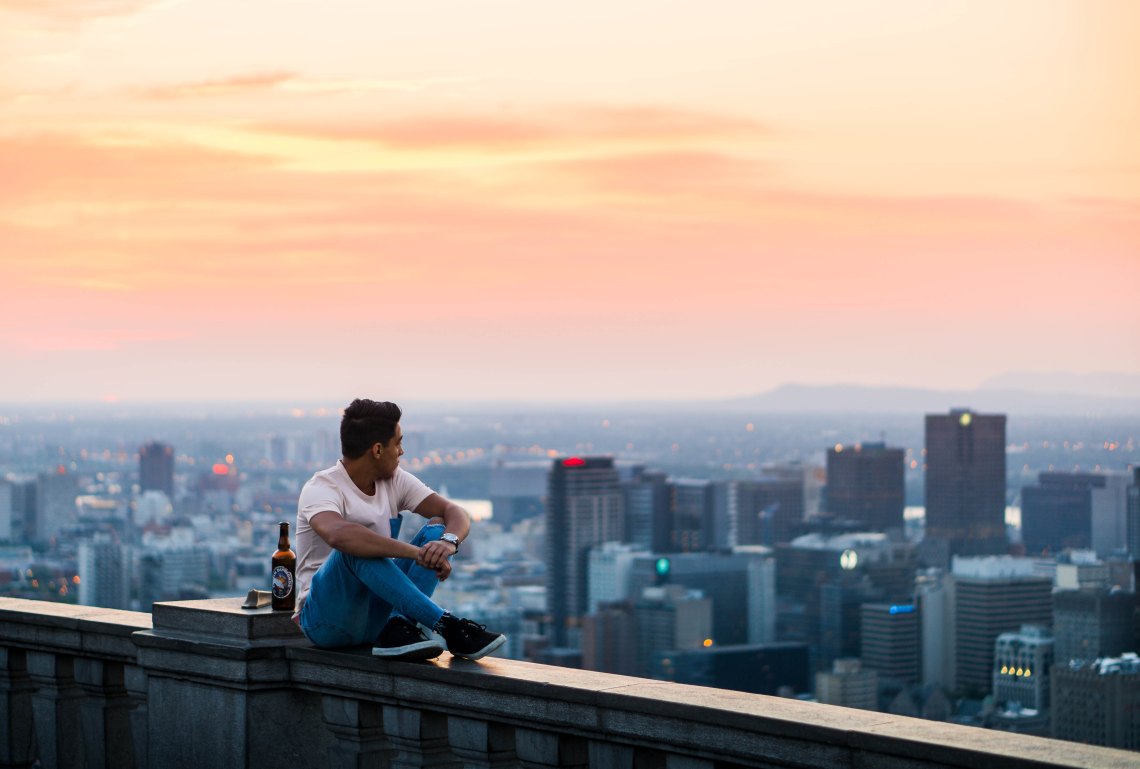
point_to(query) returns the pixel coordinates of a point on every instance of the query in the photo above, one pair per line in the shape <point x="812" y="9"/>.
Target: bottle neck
<point x="283" y="538"/>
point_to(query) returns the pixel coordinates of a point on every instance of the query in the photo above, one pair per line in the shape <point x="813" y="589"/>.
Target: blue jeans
<point x="352" y="598"/>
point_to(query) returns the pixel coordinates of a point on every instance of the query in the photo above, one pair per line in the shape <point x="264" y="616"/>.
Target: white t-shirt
<point x="333" y="490"/>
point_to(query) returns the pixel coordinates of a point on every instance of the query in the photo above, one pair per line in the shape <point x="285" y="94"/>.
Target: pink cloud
<point x="561" y="126"/>
<point x="75" y="10"/>
<point x="230" y="86"/>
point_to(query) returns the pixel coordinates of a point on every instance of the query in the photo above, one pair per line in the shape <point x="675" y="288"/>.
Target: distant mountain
<point x="1110" y="384"/>
<point x="859" y="398"/>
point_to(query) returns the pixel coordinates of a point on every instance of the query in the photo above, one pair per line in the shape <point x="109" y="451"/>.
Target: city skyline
<point x="509" y="201"/>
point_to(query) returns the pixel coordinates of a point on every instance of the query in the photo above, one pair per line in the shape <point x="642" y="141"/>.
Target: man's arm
<point x="455" y="521"/>
<point x="354" y="539"/>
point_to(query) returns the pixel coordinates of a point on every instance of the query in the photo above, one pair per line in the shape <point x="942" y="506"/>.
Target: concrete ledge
<point x="226" y="668"/>
<point x="694" y="720"/>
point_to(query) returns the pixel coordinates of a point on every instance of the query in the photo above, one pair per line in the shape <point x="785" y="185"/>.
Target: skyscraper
<point x="104" y="573"/>
<point x="1133" y="524"/>
<point x="769" y="511"/>
<point x="584" y="508"/>
<point x="156" y="468"/>
<point x="55" y="503"/>
<point x="993" y="596"/>
<point x="693" y="516"/>
<point x="891" y="641"/>
<point x="1057" y="513"/>
<point x="740" y="584"/>
<point x="865" y="483"/>
<point x="965" y="482"/>
<point x="1090" y="624"/>
<point x="647" y="511"/>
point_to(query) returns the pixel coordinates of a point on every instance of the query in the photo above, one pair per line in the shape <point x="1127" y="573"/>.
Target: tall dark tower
<point x="584" y="508"/>
<point x="865" y="482"/>
<point x="965" y="482"/>
<point x="156" y="468"/>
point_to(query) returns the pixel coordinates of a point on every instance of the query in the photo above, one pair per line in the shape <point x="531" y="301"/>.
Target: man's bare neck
<point x="362" y="476"/>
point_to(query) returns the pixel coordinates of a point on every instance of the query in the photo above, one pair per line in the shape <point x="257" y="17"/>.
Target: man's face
<point x="388" y="456"/>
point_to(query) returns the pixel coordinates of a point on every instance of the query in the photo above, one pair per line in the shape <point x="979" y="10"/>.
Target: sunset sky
<point x="297" y="200"/>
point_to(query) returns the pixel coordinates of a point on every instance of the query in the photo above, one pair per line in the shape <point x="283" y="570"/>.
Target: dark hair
<point x="366" y="423"/>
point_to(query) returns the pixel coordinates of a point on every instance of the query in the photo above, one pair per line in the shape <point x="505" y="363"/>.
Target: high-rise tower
<point x="584" y="508"/>
<point x="965" y="482"/>
<point x="865" y="482"/>
<point x="156" y="468"/>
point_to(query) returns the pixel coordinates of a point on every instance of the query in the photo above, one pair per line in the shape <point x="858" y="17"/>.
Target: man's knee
<point x="431" y="531"/>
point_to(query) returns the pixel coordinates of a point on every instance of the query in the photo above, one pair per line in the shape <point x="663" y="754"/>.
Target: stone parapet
<point x="205" y="683"/>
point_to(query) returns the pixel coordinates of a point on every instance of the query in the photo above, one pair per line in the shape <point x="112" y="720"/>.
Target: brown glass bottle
<point x="284" y="573"/>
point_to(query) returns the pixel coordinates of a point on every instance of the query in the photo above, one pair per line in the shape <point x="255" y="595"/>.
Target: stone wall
<point x="206" y="684"/>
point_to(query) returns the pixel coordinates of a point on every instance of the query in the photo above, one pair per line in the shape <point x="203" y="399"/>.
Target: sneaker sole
<point x="423" y="650"/>
<point x="484" y="651"/>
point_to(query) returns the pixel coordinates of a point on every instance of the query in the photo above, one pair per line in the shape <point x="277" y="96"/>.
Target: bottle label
<point x="282" y="582"/>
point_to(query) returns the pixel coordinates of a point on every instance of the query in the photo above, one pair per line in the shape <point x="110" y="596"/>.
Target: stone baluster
<point x="17" y="727"/>
<point x="56" y="704"/>
<point x="106" y="715"/>
<point x="358" y="730"/>
<point x="420" y="738"/>
<point x="548" y="750"/>
<point x="482" y="744"/>
<point x="134" y="681"/>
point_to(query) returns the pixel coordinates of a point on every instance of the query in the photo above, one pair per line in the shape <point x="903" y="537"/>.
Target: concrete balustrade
<point x="205" y="683"/>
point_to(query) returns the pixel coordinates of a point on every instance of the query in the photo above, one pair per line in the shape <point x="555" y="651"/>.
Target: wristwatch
<point x="453" y="539"/>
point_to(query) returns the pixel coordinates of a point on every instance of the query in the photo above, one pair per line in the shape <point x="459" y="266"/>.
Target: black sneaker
<point x="402" y="639"/>
<point x="468" y="639"/>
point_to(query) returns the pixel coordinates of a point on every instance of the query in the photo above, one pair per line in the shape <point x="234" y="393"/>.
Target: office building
<point x="584" y="507"/>
<point x="517" y="491"/>
<point x="848" y="685"/>
<point x="965" y="482"/>
<point x="773" y="669"/>
<point x="1110" y="514"/>
<point x="8" y="517"/>
<point x="823" y="581"/>
<point x="55" y="503"/>
<point x="104" y="573"/>
<point x="740" y="584"/>
<point x="993" y="596"/>
<point x="1056" y="514"/>
<point x="1022" y="661"/>
<point x="934" y="597"/>
<point x="1098" y="702"/>
<point x="1090" y="624"/>
<point x="865" y="483"/>
<point x="610" y="566"/>
<point x="769" y="510"/>
<point x="1081" y="570"/>
<point x="609" y="639"/>
<point x="647" y="502"/>
<point x="1133" y="515"/>
<point x="156" y="468"/>
<point x="669" y="618"/>
<point x="890" y="641"/>
<point x="693" y="516"/>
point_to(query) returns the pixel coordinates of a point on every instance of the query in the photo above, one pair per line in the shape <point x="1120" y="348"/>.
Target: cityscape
<point x="785" y="356"/>
<point x="967" y="567"/>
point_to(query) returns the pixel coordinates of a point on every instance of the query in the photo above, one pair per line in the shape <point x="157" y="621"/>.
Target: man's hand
<point x="434" y="555"/>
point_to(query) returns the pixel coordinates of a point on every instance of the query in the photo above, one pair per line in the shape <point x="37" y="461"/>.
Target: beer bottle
<point x="284" y="572"/>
